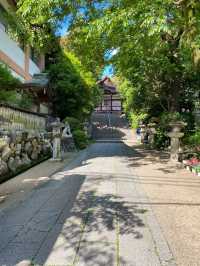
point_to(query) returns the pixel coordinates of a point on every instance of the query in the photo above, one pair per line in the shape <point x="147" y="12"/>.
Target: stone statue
<point x="66" y="131"/>
<point x="67" y="139"/>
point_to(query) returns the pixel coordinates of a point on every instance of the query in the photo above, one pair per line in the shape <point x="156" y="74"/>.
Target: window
<point x="3" y="22"/>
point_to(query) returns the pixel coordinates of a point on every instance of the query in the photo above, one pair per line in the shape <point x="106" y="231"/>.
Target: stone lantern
<point x="152" y="132"/>
<point x="175" y="135"/>
<point x="142" y="132"/>
<point x="56" y="134"/>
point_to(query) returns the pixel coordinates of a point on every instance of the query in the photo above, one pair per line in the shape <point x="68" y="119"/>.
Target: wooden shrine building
<point x="111" y="99"/>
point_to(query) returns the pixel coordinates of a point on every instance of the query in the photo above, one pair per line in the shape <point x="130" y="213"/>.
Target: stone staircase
<point x="109" y="126"/>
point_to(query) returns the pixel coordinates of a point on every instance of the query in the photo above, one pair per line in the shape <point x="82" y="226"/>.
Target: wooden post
<point x="27" y="62"/>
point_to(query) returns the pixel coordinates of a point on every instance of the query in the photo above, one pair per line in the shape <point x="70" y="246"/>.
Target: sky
<point x="108" y="71"/>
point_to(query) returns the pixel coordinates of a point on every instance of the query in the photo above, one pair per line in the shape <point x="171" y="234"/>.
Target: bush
<point x="75" y="89"/>
<point x="161" y="141"/>
<point x="80" y="139"/>
<point x="167" y="117"/>
<point x="74" y="123"/>
<point x="193" y="140"/>
<point x="135" y="119"/>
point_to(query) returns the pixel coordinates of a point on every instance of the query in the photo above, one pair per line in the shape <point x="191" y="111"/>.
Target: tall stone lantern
<point x="175" y="135"/>
<point x="56" y="134"/>
<point x="142" y="132"/>
<point x="152" y="132"/>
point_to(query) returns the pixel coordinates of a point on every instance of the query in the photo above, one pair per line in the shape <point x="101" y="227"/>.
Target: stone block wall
<point x="20" y="150"/>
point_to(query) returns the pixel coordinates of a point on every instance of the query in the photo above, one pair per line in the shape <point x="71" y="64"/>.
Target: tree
<point x="9" y="87"/>
<point x="75" y="89"/>
<point x="156" y="41"/>
<point x="7" y="81"/>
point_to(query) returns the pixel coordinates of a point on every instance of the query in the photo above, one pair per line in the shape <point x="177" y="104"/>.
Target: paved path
<point x="86" y="215"/>
<point x="17" y="188"/>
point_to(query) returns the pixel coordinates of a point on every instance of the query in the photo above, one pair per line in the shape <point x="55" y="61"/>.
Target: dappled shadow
<point x="138" y="157"/>
<point x="88" y="232"/>
<point x="73" y="223"/>
<point x="105" y="209"/>
<point x="68" y="219"/>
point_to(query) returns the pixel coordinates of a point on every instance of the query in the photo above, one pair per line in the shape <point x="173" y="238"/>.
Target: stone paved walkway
<point x="86" y="215"/>
<point x="174" y="195"/>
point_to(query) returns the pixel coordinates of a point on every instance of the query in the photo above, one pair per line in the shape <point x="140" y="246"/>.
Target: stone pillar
<point x="152" y="132"/>
<point x="56" y="133"/>
<point x="175" y="136"/>
<point x="142" y="133"/>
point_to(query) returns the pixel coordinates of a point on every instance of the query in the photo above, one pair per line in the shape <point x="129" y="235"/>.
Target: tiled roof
<point x="107" y="85"/>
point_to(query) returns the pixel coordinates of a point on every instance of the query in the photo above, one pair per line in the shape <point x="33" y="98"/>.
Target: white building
<point x="22" y="62"/>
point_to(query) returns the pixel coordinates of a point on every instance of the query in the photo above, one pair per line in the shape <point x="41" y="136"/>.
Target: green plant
<point x="7" y="81"/>
<point x="193" y="139"/>
<point x="135" y="119"/>
<point x="167" y="117"/>
<point x="80" y="139"/>
<point x="74" y="123"/>
<point x="161" y="141"/>
<point x="75" y="89"/>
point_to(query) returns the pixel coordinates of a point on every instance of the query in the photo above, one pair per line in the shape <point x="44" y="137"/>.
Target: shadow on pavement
<point x="75" y="223"/>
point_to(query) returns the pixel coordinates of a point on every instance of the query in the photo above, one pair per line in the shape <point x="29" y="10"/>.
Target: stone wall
<point x="23" y="140"/>
<point x="27" y="138"/>
<point x="19" y="150"/>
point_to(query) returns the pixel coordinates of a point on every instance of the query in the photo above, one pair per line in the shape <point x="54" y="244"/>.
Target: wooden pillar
<point x="26" y="63"/>
<point x="41" y="63"/>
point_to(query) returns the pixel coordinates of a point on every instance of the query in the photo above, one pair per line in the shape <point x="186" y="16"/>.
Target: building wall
<point x="106" y="104"/>
<point x="14" y="57"/>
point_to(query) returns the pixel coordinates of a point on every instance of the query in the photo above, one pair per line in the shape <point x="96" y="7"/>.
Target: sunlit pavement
<point x="91" y="213"/>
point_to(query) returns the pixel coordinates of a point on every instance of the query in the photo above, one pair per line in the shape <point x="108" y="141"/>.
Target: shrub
<point x="135" y="119"/>
<point x="75" y="89"/>
<point x="80" y="139"/>
<point x="161" y="141"/>
<point x="194" y="139"/>
<point x="74" y="123"/>
<point x="167" y="117"/>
